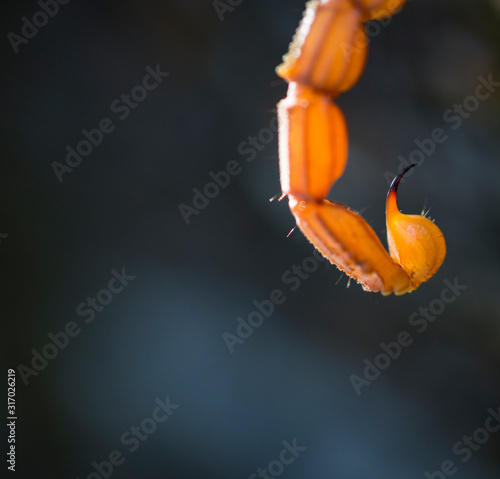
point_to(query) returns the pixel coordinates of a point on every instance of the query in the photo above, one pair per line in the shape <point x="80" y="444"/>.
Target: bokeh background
<point x="163" y="334"/>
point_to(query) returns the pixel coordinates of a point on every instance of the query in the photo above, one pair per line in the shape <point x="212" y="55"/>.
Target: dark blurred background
<point x="162" y="336"/>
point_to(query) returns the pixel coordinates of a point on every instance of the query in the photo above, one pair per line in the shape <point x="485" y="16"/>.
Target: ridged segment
<point x="329" y="49"/>
<point x="312" y="143"/>
<point x="349" y="242"/>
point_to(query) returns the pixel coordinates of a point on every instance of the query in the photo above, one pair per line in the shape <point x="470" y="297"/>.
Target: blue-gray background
<point x="162" y="336"/>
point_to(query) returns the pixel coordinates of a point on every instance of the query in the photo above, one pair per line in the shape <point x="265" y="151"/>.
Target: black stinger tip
<point x="395" y="181"/>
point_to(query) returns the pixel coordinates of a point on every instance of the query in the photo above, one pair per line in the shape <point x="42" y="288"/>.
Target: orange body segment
<point x="349" y="242"/>
<point x="328" y="52"/>
<point x="312" y="131"/>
